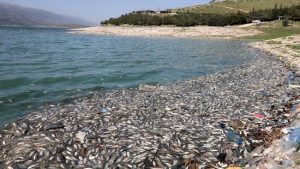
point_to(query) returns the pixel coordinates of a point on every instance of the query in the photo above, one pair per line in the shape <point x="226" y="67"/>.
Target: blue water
<point x="44" y="66"/>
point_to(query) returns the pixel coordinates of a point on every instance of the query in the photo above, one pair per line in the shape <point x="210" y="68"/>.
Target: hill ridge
<point x="16" y="15"/>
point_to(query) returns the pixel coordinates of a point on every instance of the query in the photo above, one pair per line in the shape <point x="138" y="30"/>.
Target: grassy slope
<point x="270" y="30"/>
<point x="275" y="29"/>
<point x="242" y="5"/>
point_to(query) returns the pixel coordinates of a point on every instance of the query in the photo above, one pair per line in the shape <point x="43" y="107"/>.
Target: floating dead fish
<point x="54" y="126"/>
<point x="158" y="127"/>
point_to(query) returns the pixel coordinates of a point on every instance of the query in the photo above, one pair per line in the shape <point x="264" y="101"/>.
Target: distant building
<point x="144" y="12"/>
<point x="256" y="21"/>
<point x="281" y="17"/>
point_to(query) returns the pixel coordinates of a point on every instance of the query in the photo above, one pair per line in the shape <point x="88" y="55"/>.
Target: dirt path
<point x="232" y="8"/>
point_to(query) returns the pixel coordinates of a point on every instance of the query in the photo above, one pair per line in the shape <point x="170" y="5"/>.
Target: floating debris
<point x="104" y="110"/>
<point x="295" y="135"/>
<point x="259" y="115"/>
<point x="81" y="136"/>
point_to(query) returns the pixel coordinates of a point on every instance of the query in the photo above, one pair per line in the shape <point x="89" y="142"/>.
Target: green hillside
<point x="232" y="6"/>
<point x="215" y="14"/>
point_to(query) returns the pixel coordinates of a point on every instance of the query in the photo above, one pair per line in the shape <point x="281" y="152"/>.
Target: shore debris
<point x="224" y="120"/>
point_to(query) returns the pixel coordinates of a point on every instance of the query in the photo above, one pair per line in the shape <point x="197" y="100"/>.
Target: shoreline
<point x="283" y="151"/>
<point x="283" y="49"/>
<point x="169" y="31"/>
<point x="134" y="125"/>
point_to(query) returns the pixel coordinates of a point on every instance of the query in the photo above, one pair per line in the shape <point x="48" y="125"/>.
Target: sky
<point x="99" y="10"/>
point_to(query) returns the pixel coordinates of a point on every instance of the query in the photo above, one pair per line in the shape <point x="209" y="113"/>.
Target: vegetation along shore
<point x="185" y="19"/>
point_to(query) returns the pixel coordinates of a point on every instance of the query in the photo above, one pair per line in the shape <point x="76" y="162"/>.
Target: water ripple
<point x="39" y="66"/>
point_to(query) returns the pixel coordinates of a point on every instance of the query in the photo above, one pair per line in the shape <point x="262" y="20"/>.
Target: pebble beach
<point x="169" y="31"/>
<point x="182" y="125"/>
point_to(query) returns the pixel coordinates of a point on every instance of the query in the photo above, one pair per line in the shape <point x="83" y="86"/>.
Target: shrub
<point x="285" y="22"/>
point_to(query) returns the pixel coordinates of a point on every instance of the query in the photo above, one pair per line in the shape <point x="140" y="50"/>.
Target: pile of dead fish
<point x="208" y="122"/>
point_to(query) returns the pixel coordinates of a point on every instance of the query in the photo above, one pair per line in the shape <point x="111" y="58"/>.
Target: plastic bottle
<point x="290" y="77"/>
<point x="295" y="135"/>
<point x="231" y="136"/>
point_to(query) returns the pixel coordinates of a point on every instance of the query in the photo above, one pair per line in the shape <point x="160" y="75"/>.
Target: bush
<point x="285" y="22"/>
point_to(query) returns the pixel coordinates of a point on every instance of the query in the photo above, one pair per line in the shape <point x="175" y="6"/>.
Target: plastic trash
<point x="294" y="135"/>
<point x="286" y="147"/>
<point x="222" y="126"/>
<point x="266" y="113"/>
<point x="273" y="165"/>
<point x="221" y="157"/>
<point x="287" y="163"/>
<point x="295" y="108"/>
<point x="231" y="136"/>
<point x="282" y="122"/>
<point x="290" y="77"/>
<point x="259" y="115"/>
<point x="295" y="124"/>
<point x="103" y="110"/>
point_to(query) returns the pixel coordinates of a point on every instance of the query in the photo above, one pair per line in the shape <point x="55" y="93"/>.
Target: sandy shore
<point x="169" y="31"/>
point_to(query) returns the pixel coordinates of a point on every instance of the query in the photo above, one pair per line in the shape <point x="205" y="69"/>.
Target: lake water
<point x="45" y="66"/>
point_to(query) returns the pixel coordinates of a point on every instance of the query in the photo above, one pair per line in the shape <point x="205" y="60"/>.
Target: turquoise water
<point x="45" y="66"/>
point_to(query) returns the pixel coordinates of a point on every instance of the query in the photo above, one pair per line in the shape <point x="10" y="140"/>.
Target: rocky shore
<point x="284" y="152"/>
<point x="286" y="49"/>
<point x="214" y="121"/>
